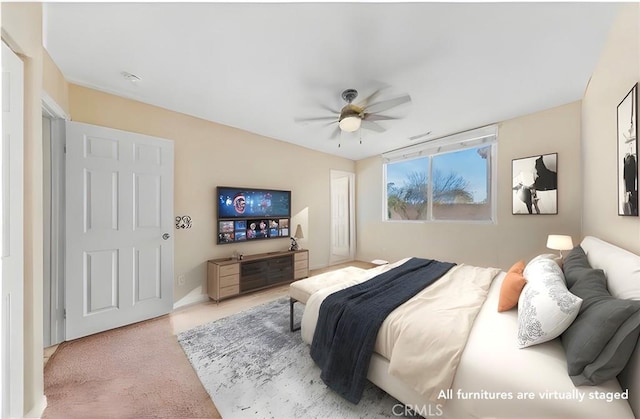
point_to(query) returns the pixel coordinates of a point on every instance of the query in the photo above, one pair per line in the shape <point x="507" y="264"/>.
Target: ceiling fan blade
<point x="376" y="117"/>
<point x="387" y="104"/>
<point x="336" y="133"/>
<point x="320" y="118"/>
<point x="373" y="126"/>
<point x="326" y="124"/>
<point x="327" y="108"/>
<point x="367" y="100"/>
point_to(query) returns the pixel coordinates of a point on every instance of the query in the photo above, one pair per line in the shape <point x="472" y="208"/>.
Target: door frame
<point x="351" y="177"/>
<point x="54" y="226"/>
<point x="12" y="366"/>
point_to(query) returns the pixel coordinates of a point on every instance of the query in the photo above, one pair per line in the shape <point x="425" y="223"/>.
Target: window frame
<point x="487" y="136"/>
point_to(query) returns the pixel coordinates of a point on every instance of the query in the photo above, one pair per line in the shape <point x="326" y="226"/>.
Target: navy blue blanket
<point x="349" y="320"/>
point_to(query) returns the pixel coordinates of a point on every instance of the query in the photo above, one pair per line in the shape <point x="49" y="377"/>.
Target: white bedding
<point x="424" y="337"/>
<point x="490" y="366"/>
<point x="312" y="307"/>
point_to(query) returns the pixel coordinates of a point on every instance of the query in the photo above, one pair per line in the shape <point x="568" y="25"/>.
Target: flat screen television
<point x="246" y="214"/>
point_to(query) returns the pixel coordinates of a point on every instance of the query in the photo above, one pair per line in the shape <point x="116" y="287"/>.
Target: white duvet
<point x="424" y="338"/>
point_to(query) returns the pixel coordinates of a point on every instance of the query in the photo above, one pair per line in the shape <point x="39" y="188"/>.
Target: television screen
<point x="247" y="203"/>
<point x="246" y="214"/>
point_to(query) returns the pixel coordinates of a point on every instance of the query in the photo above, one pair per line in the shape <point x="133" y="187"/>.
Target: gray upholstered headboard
<point x="622" y="269"/>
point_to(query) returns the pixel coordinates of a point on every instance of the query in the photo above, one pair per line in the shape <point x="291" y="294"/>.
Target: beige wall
<point x="616" y="72"/>
<point x="54" y="84"/>
<point x="208" y="155"/>
<point x="22" y="31"/>
<point x="512" y="237"/>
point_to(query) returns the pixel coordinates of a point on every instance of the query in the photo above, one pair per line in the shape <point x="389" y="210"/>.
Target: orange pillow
<point x="512" y="286"/>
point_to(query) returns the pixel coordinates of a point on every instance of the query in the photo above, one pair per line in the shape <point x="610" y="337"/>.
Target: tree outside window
<point x="446" y="186"/>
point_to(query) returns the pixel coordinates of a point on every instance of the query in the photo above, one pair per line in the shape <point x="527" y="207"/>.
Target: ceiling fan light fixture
<point x="350" y="123"/>
<point x="350" y="119"/>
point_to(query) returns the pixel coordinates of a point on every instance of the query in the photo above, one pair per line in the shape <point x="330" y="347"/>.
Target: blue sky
<point x="466" y="163"/>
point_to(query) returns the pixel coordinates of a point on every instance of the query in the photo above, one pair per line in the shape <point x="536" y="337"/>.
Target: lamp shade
<point x="299" y="234"/>
<point x="350" y="123"/>
<point x="559" y="242"/>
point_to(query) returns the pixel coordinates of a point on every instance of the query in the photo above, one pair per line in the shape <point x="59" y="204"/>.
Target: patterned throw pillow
<point x="545" y="308"/>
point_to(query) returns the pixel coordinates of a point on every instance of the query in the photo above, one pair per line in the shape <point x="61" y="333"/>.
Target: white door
<point x="341" y="217"/>
<point x="11" y="222"/>
<point x="119" y="216"/>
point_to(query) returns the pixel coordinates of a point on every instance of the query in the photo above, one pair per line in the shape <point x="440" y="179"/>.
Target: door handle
<point x="166" y="236"/>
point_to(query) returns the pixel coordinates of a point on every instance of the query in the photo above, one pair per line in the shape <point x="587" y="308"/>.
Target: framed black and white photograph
<point x="535" y="184"/>
<point x="627" y="154"/>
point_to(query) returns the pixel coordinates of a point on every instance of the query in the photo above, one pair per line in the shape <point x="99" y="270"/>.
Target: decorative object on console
<point x="294" y="240"/>
<point x="559" y="242"/>
<point x="535" y="184"/>
<point x="627" y="154"/>
<point x="183" y="221"/>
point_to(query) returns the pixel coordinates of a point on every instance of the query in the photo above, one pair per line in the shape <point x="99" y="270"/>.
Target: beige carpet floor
<point x="138" y="371"/>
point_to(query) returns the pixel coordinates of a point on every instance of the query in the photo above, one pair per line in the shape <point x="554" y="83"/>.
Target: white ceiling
<point x="258" y="66"/>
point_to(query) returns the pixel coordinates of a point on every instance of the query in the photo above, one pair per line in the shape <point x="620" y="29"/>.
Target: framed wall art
<point x="535" y="184"/>
<point x="627" y="154"/>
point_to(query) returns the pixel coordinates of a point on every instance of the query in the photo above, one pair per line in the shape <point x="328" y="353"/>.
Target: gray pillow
<point x="600" y="341"/>
<point x="574" y="264"/>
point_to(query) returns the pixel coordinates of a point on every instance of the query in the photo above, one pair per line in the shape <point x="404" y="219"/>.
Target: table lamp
<point x="559" y="242"/>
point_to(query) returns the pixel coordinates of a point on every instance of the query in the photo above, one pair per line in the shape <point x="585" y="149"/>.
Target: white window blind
<point x="476" y="137"/>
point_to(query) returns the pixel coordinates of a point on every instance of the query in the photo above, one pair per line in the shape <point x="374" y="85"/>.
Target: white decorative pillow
<point x="620" y="266"/>
<point x="545" y="308"/>
<point x="551" y="256"/>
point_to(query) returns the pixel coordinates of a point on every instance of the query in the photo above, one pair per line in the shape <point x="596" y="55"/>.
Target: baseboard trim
<point x="190" y="299"/>
<point x="38" y="410"/>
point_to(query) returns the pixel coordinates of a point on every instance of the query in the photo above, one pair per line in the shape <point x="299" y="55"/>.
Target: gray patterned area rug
<point x="252" y="366"/>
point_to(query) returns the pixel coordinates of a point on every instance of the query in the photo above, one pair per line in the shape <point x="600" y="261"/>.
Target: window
<point x="445" y="179"/>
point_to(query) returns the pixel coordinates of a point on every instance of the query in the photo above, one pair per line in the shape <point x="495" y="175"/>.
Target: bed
<point x="493" y="377"/>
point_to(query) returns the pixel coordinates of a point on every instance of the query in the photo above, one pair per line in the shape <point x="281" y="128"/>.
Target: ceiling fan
<point x="364" y="114"/>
